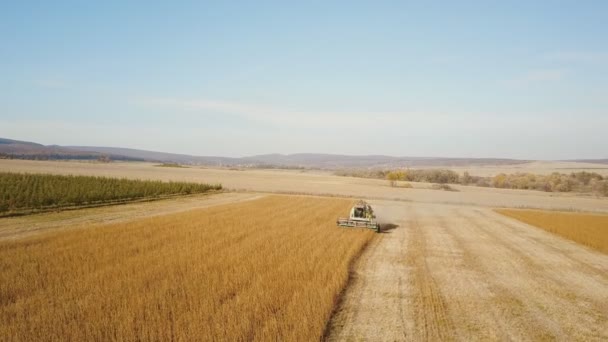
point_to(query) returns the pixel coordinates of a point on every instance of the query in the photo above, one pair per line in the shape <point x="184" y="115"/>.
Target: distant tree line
<point x="275" y="166"/>
<point x="19" y="191"/>
<point x="555" y="182"/>
<point x="584" y="182"/>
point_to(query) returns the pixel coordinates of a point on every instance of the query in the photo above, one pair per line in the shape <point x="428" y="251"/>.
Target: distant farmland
<point x="269" y="269"/>
<point x="24" y="192"/>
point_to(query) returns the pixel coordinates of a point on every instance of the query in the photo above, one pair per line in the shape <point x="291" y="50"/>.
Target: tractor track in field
<point x="493" y="324"/>
<point x="465" y="273"/>
<point x="430" y="309"/>
<point x="354" y="314"/>
<point x="511" y="308"/>
<point x="551" y="283"/>
<point x="570" y="250"/>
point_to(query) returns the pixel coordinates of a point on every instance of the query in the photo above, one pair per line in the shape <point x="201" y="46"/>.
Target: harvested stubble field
<point x="463" y="273"/>
<point x="265" y="269"/>
<point x="589" y="229"/>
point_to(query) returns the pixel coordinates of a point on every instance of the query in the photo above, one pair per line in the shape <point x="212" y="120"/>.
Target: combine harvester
<point x="361" y="216"/>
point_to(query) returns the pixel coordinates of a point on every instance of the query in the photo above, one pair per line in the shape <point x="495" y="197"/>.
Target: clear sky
<point x="519" y="79"/>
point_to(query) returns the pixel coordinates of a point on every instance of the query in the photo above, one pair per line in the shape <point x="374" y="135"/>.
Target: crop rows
<point x="22" y="191"/>
<point x="268" y="269"/>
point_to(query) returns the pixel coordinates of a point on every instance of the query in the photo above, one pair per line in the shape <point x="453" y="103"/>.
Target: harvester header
<point x="361" y="216"/>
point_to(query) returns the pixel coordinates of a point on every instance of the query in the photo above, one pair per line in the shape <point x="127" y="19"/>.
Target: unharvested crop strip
<point x="257" y="270"/>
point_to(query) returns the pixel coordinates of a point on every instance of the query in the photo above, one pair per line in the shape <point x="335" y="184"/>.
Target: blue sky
<point x="512" y="79"/>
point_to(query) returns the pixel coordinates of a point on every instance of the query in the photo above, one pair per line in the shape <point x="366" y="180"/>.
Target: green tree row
<point x="22" y="191"/>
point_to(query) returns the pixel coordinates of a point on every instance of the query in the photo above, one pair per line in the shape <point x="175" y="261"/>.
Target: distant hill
<point x="299" y="160"/>
<point x="17" y="149"/>
<point x="594" y="161"/>
<point x="29" y="150"/>
<point x="159" y="156"/>
<point x="333" y="161"/>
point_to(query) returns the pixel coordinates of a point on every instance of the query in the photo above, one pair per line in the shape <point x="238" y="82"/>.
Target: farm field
<point x="464" y="273"/>
<point x="21" y="226"/>
<point x="446" y="267"/>
<point x="587" y="229"/>
<point x="22" y="193"/>
<point x="318" y="183"/>
<point x="304" y="171"/>
<point x="257" y="270"/>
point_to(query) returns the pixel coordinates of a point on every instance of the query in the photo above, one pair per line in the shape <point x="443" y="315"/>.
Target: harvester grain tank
<point x="361" y="216"/>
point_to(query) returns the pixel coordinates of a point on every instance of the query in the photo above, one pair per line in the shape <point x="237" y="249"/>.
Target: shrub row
<point x="585" y="182"/>
<point x="555" y="182"/>
<point x="439" y="176"/>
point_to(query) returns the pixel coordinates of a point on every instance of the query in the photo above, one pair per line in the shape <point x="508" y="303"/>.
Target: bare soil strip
<point x="463" y="273"/>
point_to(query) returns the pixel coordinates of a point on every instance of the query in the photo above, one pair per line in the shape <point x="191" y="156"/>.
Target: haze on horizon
<point x="518" y="79"/>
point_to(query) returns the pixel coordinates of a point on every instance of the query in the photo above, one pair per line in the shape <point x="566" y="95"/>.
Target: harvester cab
<point x="361" y="216"/>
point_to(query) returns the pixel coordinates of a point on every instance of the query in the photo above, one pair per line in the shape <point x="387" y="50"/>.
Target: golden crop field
<point x="588" y="229"/>
<point x="268" y="269"/>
